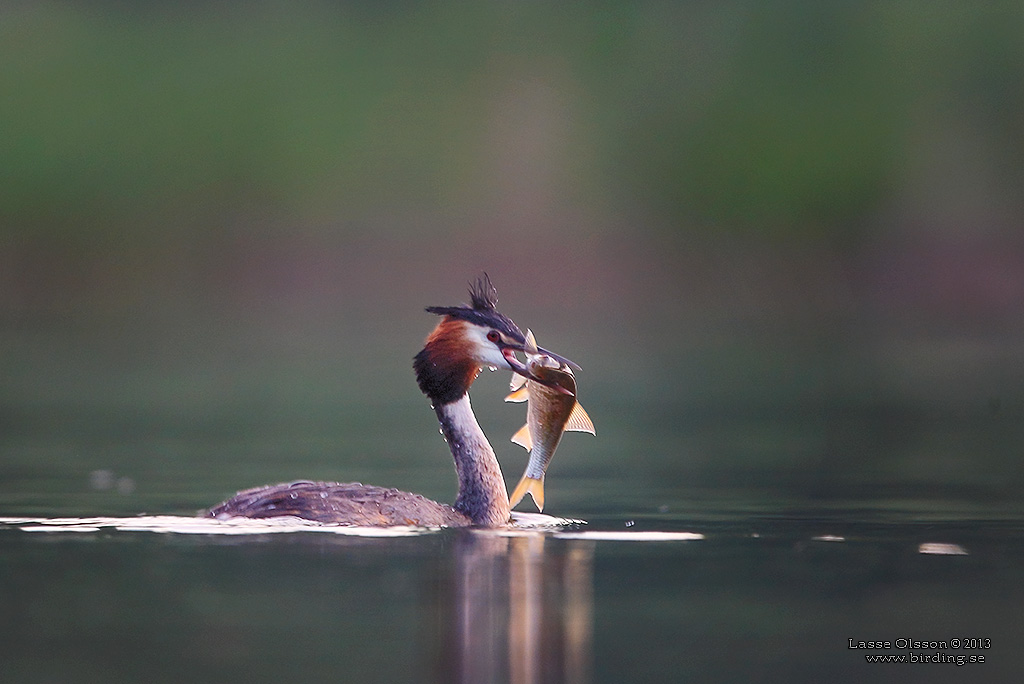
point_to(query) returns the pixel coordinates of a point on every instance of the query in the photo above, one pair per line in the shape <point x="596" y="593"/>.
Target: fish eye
<point x="494" y="336"/>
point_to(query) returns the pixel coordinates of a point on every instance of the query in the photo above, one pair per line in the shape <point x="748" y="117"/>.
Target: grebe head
<point x="467" y="339"/>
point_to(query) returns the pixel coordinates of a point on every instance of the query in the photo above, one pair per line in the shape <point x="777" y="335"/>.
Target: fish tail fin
<point x="531" y="485"/>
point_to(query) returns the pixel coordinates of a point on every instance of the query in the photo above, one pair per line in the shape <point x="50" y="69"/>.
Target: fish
<point x="550" y="412"/>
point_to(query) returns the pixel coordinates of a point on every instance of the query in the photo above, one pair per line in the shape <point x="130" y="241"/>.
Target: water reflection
<point x="258" y="600"/>
<point x="510" y="606"/>
<point x="523" y="609"/>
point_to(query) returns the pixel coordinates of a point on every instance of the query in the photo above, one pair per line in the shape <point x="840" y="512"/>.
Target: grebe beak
<point x="560" y="359"/>
<point x="509" y="352"/>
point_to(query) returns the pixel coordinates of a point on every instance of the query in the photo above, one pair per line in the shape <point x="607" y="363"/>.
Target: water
<point x="828" y="512"/>
<point x="751" y="598"/>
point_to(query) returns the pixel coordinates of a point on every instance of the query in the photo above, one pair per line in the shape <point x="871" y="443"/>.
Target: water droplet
<point x="492" y="368"/>
<point x="630" y="523"/>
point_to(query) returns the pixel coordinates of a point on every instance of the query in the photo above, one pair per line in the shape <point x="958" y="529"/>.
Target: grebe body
<point x="467" y="339"/>
<point x="349" y="503"/>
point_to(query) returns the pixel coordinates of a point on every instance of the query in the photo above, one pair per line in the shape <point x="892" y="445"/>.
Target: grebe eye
<point x="494" y="336"/>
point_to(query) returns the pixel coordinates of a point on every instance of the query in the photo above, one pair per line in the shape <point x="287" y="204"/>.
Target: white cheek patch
<point x="485" y="352"/>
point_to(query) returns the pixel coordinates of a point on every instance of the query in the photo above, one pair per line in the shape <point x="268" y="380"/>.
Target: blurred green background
<point x="783" y="240"/>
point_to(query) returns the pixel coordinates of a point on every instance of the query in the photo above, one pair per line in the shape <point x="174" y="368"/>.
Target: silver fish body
<point x="551" y="411"/>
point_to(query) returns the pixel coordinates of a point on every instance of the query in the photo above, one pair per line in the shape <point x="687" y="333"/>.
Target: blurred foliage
<point x="129" y="117"/>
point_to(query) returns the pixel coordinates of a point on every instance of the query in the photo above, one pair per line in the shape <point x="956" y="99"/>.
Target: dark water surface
<point x="836" y="503"/>
<point x="758" y="598"/>
<point x="818" y="528"/>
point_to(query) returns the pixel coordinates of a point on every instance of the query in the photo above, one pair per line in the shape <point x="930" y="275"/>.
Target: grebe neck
<point x="482" y="494"/>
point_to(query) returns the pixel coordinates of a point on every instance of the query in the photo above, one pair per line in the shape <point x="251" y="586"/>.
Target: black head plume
<point x="482" y="294"/>
<point x="482" y="311"/>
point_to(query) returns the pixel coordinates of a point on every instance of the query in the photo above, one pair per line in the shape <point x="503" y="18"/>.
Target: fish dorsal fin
<point x="531" y="342"/>
<point x="523" y="438"/>
<point x="516" y="382"/>
<point x="579" y="421"/>
<point x="521" y="394"/>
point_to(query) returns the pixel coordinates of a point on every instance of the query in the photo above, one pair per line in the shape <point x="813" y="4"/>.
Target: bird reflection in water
<point x="523" y="609"/>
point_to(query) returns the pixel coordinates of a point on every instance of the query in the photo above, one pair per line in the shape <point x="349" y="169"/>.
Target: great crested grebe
<point x="467" y="339"/>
